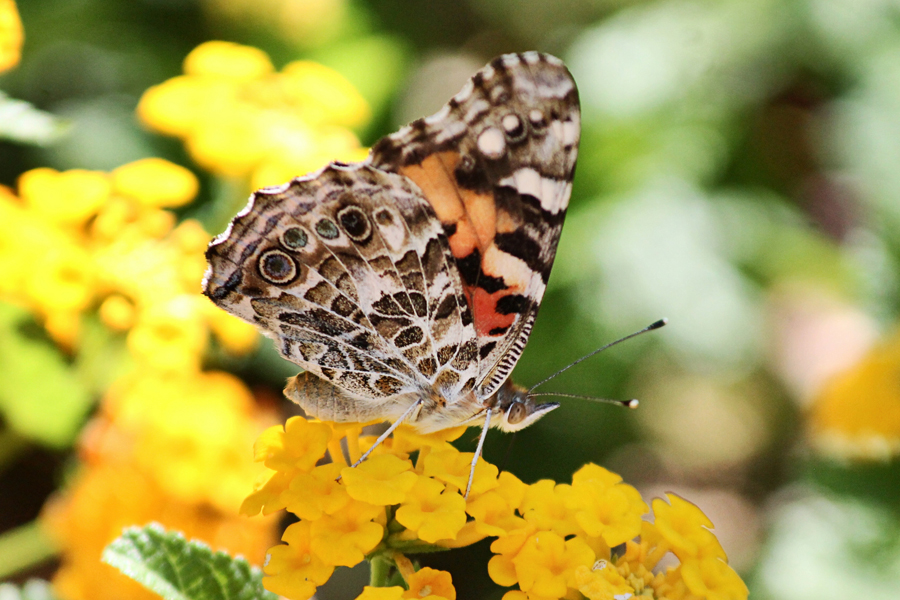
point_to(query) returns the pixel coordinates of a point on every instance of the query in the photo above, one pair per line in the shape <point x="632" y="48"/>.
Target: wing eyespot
<point x="514" y="128"/>
<point x="327" y="229"/>
<point x="355" y="223"/>
<point x="277" y="267"/>
<point x="294" y="238"/>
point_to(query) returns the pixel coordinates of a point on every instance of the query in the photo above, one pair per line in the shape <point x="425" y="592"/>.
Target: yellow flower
<point x="546" y="553"/>
<point x="239" y="118"/>
<point x="62" y="278"/>
<point x="430" y="583"/>
<point x="297" y="446"/>
<point x="381" y="480"/>
<point x="544" y="506"/>
<point x="169" y="336"/>
<point x="381" y="593"/>
<point x="293" y="570"/>
<point x="188" y="432"/>
<point x="494" y="511"/>
<point x="501" y="567"/>
<point x="684" y="527"/>
<point x="713" y="579"/>
<point x="345" y="537"/>
<point x="290" y="451"/>
<point x="270" y="494"/>
<point x="453" y="468"/>
<point x="857" y="413"/>
<point x="322" y="95"/>
<point x="408" y="440"/>
<point x="172" y="451"/>
<point x="174" y="106"/>
<point x="546" y="564"/>
<point x="313" y="494"/>
<point x="237" y="336"/>
<point x="227" y="59"/>
<point x="156" y="183"/>
<point x="228" y="140"/>
<point x="604" y="507"/>
<point x="11" y="35"/>
<point x="601" y="582"/>
<point x="117" y="312"/>
<point x="431" y="511"/>
<point x="68" y="198"/>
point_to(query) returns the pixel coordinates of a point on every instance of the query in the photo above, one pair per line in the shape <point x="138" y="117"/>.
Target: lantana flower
<point x="239" y="117"/>
<point x="552" y="540"/>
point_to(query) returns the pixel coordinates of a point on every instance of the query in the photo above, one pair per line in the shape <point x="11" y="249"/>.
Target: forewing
<point x="496" y="165"/>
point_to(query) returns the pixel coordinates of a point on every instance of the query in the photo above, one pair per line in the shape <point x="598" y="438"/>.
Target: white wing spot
<point x="551" y="193"/>
<point x="492" y="143"/>
<point x="570" y="133"/>
<point x="464" y="93"/>
<point x="452" y="130"/>
<point x="510" y="123"/>
<point x="477" y="107"/>
<point x="439" y="115"/>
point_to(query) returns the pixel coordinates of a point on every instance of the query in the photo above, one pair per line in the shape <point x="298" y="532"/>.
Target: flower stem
<point x="379" y="571"/>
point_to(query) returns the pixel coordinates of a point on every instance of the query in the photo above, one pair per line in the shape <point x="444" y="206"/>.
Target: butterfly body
<point x="407" y="285"/>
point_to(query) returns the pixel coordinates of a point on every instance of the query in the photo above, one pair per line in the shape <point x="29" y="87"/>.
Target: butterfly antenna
<point x="633" y="403"/>
<point x="651" y="327"/>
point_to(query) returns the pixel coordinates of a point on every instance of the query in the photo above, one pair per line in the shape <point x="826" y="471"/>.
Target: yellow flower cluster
<point x="169" y="450"/>
<point x="11" y="35"/>
<point x="857" y="413"/>
<point x="167" y="444"/>
<point x="238" y="117"/>
<point x="78" y="240"/>
<point x="553" y="540"/>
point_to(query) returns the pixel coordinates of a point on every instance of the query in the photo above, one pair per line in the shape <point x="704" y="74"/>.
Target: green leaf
<point x="21" y="122"/>
<point x="34" y="589"/>
<point x="41" y="396"/>
<point x="178" y="569"/>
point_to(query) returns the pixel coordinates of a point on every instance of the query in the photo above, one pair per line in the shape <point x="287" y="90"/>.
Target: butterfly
<point x="407" y="285"/>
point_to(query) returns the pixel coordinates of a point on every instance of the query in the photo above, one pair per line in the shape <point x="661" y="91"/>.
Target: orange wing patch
<point x="477" y="222"/>
<point x="475" y="215"/>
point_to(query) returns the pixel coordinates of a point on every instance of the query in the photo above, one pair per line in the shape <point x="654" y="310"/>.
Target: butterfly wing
<point x="350" y="271"/>
<point x="496" y="165"/>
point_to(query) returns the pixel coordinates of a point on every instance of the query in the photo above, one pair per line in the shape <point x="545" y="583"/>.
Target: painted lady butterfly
<point x="407" y="285"/>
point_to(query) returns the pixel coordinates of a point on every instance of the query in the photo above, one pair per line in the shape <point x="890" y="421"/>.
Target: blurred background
<point x="739" y="173"/>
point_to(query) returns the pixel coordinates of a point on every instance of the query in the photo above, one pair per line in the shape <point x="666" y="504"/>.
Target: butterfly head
<point x="517" y="410"/>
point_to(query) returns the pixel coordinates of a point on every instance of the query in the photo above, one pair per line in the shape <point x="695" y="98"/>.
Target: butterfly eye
<point x="516" y="413"/>
<point x="355" y="223"/>
<point x="294" y="238"/>
<point x="277" y="267"/>
<point x="327" y="229"/>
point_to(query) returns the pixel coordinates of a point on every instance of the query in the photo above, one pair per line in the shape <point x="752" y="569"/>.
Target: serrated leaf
<point x="22" y="122"/>
<point x="41" y="397"/>
<point x="34" y="589"/>
<point x="178" y="569"/>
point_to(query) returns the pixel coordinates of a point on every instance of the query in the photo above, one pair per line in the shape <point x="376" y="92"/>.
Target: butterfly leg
<point x="389" y="431"/>
<point x="484" y="430"/>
